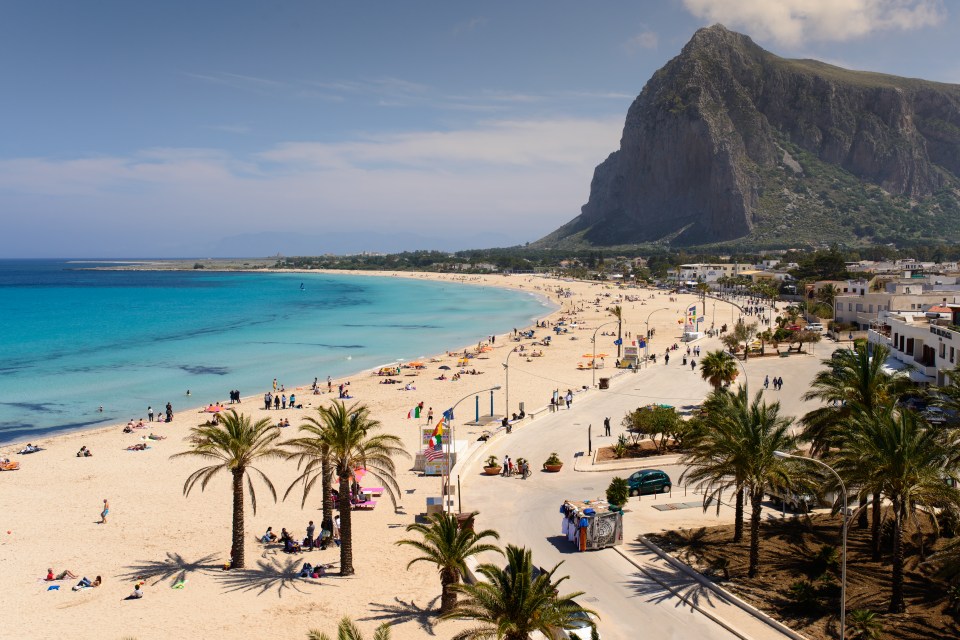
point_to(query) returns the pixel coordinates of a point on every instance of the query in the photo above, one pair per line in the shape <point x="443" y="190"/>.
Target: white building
<point x="702" y="272"/>
<point x="924" y="341"/>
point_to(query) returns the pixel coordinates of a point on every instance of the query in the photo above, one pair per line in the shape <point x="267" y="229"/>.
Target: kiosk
<point x="591" y="524"/>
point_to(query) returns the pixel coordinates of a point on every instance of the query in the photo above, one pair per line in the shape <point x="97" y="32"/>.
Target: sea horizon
<point x="80" y="338"/>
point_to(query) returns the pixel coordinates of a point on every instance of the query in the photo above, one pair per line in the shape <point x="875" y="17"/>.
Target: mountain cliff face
<point x="728" y="141"/>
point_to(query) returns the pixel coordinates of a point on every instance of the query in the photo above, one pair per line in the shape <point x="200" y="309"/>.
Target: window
<point x="871" y="308"/>
<point x="943" y="350"/>
<point x="951" y="355"/>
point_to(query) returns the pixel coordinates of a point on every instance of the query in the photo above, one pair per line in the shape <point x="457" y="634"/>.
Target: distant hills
<point x="731" y="145"/>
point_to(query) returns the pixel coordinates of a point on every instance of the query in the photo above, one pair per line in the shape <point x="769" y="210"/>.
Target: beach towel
<point x="179" y="584"/>
<point x="53" y="587"/>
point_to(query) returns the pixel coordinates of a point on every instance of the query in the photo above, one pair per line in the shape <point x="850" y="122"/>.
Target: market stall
<point x="591" y="524"/>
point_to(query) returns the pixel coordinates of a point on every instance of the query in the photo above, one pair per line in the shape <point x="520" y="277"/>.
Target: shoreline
<point x="102" y="428"/>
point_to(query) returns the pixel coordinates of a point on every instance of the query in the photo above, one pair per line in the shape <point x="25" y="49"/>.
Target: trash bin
<point x="604" y="383"/>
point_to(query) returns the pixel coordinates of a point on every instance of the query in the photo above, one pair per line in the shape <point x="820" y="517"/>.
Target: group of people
<point x="292" y="544"/>
<point x="777" y="382"/>
<point x="234" y="396"/>
<point x="521" y="468"/>
<point x="279" y="401"/>
<point x="167" y="414"/>
<point x="84" y="452"/>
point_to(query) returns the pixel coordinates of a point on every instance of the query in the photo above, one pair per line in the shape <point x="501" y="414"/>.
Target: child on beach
<point x="103" y="516"/>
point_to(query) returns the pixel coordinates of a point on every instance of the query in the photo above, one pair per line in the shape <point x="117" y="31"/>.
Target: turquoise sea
<point x="74" y="339"/>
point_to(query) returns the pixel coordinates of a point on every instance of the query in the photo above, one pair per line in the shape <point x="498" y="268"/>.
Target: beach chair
<point x="14" y="466"/>
<point x="367" y="505"/>
<point x="374" y="491"/>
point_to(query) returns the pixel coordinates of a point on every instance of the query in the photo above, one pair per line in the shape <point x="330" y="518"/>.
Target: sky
<point x="252" y="128"/>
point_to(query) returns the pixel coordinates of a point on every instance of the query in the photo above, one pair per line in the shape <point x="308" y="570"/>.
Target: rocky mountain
<point x="729" y="143"/>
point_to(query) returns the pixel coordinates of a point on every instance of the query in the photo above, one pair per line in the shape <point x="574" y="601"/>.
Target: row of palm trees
<point x="335" y="443"/>
<point x="884" y="452"/>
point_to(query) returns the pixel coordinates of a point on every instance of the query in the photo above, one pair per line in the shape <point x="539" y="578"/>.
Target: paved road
<point x="526" y="512"/>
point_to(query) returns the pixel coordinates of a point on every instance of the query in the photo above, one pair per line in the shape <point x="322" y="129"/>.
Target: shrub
<point x="804" y="595"/>
<point x="553" y="459"/>
<point x="618" y="492"/>
<point x="620" y="448"/>
<point x="864" y="625"/>
<point x="492" y="462"/>
<point x="827" y="558"/>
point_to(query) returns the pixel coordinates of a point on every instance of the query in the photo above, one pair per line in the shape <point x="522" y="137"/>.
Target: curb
<point x="658" y="462"/>
<point x="720" y="591"/>
<point x="713" y="618"/>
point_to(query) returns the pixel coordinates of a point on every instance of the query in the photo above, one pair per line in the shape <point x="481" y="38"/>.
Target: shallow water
<point x="74" y="340"/>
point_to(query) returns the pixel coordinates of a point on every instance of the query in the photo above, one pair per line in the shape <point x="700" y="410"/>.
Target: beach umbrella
<point x="443" y="366"/>
<point x="603" y="355"/>
<point x="588" y="355"/>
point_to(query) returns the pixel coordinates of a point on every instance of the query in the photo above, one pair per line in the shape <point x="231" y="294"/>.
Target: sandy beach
<point x="51" y="506"/>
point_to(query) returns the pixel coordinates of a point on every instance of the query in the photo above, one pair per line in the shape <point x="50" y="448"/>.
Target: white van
<point x="814" y="326"/>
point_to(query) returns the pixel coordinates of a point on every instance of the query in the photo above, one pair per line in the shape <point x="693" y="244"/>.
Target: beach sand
<point x="49" y="509"/>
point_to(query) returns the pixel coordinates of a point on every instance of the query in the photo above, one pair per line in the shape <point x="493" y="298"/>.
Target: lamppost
<point x="843" y="553"/>
<point x="506" y="367"/>
<point x="646" y="343"/>
<point x="593" y="365"/>
<point x="452" y="444"/>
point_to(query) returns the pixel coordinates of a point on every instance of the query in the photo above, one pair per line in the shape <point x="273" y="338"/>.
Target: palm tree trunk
<point x="448" y="597"/>
<point x="875" y="529"/>
<point x="327" y="486"/>
<point x="862" y="518"/>
<point x="619" y="336"/>
<point x="756" y="500"/>
<point x="897" y="604"/>
<point x="738" y="517"/>
<point x="236" y="550"/>
<point x="346" y="530"/>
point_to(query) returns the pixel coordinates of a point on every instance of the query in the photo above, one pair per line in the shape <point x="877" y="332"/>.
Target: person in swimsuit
<point x="105" y="512"/>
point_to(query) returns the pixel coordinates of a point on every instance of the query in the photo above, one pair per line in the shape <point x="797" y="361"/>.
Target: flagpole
<point x="447" y="418"/>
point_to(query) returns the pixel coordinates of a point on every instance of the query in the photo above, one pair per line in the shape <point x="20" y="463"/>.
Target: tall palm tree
<point x="718" y="368"/>
<point x="853" y="385"/>
<point x="312" y="453"/>
<point x="713" y="466"/>
<point x="447" y="545"/>
<point x="910" y="461"/>
<point x="235" y="445"/>
<point x="347" y="433"/>
<point x="739" y="453"/>
<point x="617" y="313"/>
<point x="347" y="630"/>
<point x="824" y="301"/>
<point x="512" y="603"/>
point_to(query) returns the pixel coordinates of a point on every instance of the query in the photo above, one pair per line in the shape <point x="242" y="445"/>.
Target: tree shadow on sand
<point x="269" y="573"/>
<point x="173" y="568"/>
<point x="394" y="614"/>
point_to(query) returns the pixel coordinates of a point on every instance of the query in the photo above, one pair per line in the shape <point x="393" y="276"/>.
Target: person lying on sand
<point x="137" y="447"/>
<point x="84" y="452"/>
<point x="86" y="584"/>
<point x="66" y="573"/>
<point x="154" y="436"/>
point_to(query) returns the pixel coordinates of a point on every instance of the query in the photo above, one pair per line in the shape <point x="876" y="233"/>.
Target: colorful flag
<point x="433" y="453"/>
<point x="414" y="413"/>
<point x="448" y="414"/>
<point x="438" y="430"/>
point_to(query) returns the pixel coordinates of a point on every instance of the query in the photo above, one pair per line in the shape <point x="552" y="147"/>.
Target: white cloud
<point x="646" y="39"/>
<point x="522" y="177"/>
<point x="794" y="22"/>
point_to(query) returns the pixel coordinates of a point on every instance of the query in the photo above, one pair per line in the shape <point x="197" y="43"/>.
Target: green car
<point x="649" y="481"/>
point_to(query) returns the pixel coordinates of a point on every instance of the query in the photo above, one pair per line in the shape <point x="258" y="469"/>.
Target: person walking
<point x="429" y="416"/>
<point x="105" y="512"/>
<point x="693" y="365"/>
<point x="569" y="398"/>
<point x="766" y="382"/>
<point x="169" y="412"/>
<point x="606" y="426"/>
<point x="150" y="414"/>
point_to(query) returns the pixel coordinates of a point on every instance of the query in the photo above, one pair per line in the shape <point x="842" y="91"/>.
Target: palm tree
<point x="899" y="452"/>
<point x="718" y="368"/>
<point x="854" y="384"/>
<point x="448" y="545"/>
<point x="617" y="313"/>
<point x="312" y="453"/>
<point x="346" y="630"/>
<point x="745" y="437"/>
<point x="864" y="625"/>
<point x="824" y="304"/>
<point x="236" y="445"/>
<point x="714" y="467"/>
<point x="512" y="603"/>
<point x="346" y="431"/>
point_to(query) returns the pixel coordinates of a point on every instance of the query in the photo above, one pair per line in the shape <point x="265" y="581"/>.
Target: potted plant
<point x="553" y="463"/>
<point x="618" y="492"/>
<point x="492" y="466"/>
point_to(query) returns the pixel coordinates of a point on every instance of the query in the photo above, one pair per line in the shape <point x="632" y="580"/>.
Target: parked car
<point x="934" y="415"/>
<point x="583" y="624"/>
<point x="795" y="502"/>
<point x="649" y="481"/>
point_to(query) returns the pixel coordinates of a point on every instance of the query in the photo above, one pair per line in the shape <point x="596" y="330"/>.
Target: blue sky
<point x="252" y="128"/>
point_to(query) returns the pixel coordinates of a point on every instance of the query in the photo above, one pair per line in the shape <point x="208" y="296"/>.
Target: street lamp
<point x="452" y="444"/>
<point x="593" y="365"/>
<point x="646" y="343"/>
<point x="843" y="553"/>
<point x="506" y="367"/>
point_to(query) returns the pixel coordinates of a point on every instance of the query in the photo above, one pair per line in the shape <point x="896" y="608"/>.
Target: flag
<point x="438" y="430"/>
<point x="643" y="344"/>
<point x="618" y="341"/>
<point x="692" y="309"/>
<point x="448" y="414"/>
<point x="414" y="413"/>
<point x="433" y="453"/>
